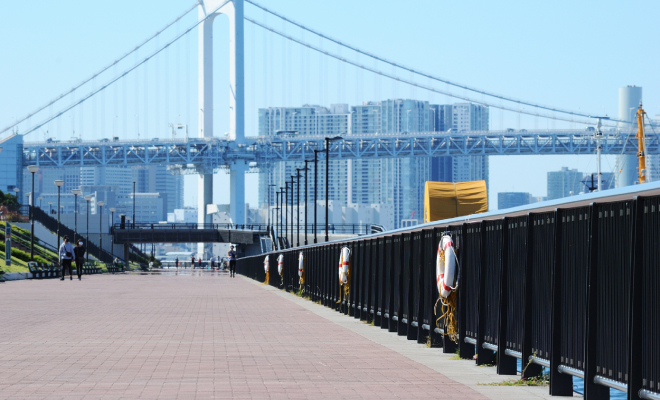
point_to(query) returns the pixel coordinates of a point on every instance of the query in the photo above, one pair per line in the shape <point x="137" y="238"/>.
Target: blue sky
<point x="572" y="55"/>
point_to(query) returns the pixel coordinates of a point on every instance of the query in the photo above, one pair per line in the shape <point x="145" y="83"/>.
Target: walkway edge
<point x="462" y="371"/>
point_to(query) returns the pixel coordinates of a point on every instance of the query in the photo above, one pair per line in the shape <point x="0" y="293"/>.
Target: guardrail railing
<point x="574" y="290"/>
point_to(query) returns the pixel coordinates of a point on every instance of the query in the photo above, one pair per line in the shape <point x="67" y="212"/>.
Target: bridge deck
<point x="210" y="336"/>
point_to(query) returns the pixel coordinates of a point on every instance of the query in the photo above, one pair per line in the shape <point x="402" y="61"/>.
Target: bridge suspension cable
<point x="126" y="72"/>
<point x="409" y="82"/>
<point x="426" y="75"/>
<point x="102" y="70"/>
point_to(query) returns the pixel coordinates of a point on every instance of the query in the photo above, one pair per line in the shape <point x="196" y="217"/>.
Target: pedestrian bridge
<point x="188" y="233"/>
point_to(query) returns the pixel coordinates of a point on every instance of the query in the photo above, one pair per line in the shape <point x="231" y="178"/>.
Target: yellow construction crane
<point x="641" y="155"/>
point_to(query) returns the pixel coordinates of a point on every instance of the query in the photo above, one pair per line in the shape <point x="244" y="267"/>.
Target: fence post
<point x="635" y="325"/>
<point x="484" y="356"/>
<point x="592" y="390"/>
<point x="506" y="365"/>
<point x="466" y="350"/>
<point x="560" y="384"/>
<point x="528" y="369"/>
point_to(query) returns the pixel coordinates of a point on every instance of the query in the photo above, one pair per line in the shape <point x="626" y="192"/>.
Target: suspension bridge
<point x="242" y="151"/>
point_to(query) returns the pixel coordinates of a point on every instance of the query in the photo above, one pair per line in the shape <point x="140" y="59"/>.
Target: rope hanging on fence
<point x="301" y="281"/>
<point x="267" y="281"/>
<point x="346" y="288"/>
<point x="448" y="308"/>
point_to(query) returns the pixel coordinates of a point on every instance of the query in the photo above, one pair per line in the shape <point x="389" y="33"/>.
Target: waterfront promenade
<point x="205" y="335"/>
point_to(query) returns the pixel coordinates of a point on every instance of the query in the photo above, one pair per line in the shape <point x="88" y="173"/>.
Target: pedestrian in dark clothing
<point x="232" y="262"/>
<point x="192" y="262"/>
<point x="177" y="262"/>
<point x="66" y="256"/>
<point x="200" y="262"/>
<point x="79" y="252"/>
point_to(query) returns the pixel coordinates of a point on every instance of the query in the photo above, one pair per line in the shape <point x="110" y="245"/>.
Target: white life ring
<point x="445" y="272"/>
<point x="280" y="264"/>
<point x="301" y="264"/>
<point x="344" y="265"/>
<point x="266" y="265"/>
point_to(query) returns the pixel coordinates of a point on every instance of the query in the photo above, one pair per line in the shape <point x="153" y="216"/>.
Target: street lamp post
<point x="100" y="204"/>
<point x="133" y="204"/>
<point x="112" y="240"/>
<point x="327" y="172"/>
<point x="16" y="190"/>
<point x="75" y="192"/>
<point x="291" y="214"/>
<point x="286" y="210"/>
<point x="40" y="199"/>
<point x="269" y="211"/>
<point x="88" y="198"/>
<point x="306" y="169"/>
<point x="277" y="212"/>
<point x="33" y="170"/>
<point x="50" y="207"/>
<point x="298" y="206"/>
<point x="281" y="211"/>
<point x="316" y="181"/>
<point x="59" y="183"/>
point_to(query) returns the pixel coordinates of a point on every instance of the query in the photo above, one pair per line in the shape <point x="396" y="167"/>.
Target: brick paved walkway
<point x="204" y="336"/>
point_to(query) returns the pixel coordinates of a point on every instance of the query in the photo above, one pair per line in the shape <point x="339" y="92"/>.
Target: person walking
<point x="200" y="262"/>
<point x="177" y="262"/>
<point x="79" y="252"/>
<point x="66" y="255"/>
<point x="192" y="262"/>
<point x="212" y="262"/>
<point x="232" y="261"/>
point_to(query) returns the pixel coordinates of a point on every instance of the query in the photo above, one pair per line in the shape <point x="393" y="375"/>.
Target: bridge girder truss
<point x="211" y="155"/>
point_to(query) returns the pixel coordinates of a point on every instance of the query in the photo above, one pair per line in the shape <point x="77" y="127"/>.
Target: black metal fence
<point x="574" y="290"/>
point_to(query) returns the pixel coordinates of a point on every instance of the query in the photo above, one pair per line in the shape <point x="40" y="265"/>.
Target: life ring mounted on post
<point x="266" y="269"/>
<point x="447" y="280"/>
<point x="344" y="272"/>
<point x="280" y="268"/>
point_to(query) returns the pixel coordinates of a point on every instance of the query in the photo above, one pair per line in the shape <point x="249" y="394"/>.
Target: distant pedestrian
<point x="192" y="262"/>
<point x="212" y="262"/>
<point x="79" y="252"/>
<point x="232" y="261"/>
<point x="177" y="262"/>
<point x="200" y="262"/>
<point x="66" y="256"/>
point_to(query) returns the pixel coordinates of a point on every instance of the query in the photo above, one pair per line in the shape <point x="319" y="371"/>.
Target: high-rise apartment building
<point x="512" y="199"/>
<point x="564" y="183"/>
<point x="396" y="181"/>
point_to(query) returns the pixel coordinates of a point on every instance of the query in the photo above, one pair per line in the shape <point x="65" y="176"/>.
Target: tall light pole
<point x="298" y="207"/>
<point x="112" y="239"/>
<point x="100" y="204"/>
<point x="269" y="212"/>
<point x="316" y="184"/>
<point x="59" y="183"/>
<point x="286" y="210"/>
<point x="50" y="207"/>
<point x="33" y="170"/>
<point x="133" y="204"/>
<point x="16" y="190"/>
<point x="281" y="210"/>
<point x="277" y="211"/>
<point x="76" y="193"/>
<point x="306" y="169"/>
<point x="291" y="214"/>
<point x="327" y="180"/>
<point x="40" y="199"/>
<point x="87" y="198"/>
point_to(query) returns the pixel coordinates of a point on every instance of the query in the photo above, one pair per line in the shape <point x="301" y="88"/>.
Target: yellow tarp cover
<point x="444" y="200"/>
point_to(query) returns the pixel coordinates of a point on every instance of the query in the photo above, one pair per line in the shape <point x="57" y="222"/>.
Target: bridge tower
<point x="234" y="11"/>
<point x="629" y="99"/>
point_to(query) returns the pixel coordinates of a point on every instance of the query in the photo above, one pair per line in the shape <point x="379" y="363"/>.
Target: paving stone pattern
<point x="190" y="336"/>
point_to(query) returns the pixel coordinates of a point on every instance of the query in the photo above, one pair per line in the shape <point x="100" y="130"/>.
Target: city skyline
<point x="509" y="69"/>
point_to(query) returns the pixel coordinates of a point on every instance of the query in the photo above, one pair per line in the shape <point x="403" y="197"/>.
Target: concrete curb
<point x="17" y="276"/>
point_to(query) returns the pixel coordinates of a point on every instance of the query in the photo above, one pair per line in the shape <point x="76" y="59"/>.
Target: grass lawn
<point x="16" y="264"/>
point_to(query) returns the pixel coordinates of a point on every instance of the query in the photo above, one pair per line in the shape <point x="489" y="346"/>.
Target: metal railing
<point x="573" y="289"/>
